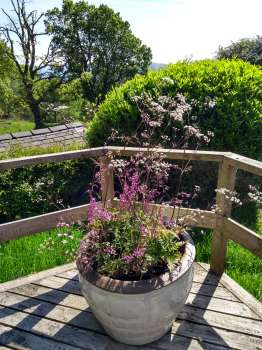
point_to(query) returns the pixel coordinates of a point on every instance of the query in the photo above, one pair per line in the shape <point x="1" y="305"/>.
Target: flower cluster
<point x="232" y="196"/>
<point x="255" y="195"/>
<point x="64" y="239"/>
<point x="132" y="244"/>
<point x="168" y="121"/>
<point x="96" y="210"/>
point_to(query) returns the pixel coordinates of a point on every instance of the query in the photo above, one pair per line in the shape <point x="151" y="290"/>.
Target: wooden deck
<point x="50" y="313"/>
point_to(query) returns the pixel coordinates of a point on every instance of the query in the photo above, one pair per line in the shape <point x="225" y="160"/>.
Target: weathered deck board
<point x="23" y="340"/>
<point x="51" y="295"/>
<point x="52" y="314"/>
<point x="78" y="318"/>
<point x="202" y="301"/>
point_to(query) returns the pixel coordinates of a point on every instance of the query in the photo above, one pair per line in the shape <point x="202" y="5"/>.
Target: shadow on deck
<point x="51" y="313"/>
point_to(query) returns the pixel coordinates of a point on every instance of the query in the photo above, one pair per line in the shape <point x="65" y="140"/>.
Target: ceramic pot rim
<point x="142" y="286"/>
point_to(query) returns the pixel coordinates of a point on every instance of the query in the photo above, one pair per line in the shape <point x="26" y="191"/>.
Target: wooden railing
<point x="224" y="228"/>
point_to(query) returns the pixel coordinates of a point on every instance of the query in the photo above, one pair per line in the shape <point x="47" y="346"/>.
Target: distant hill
<point x="156" y="66"/>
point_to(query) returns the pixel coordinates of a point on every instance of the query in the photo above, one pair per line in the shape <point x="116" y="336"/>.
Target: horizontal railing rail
<point x="224" y="227"/>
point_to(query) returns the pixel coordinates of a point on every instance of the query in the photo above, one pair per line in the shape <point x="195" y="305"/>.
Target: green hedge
<point x="42" y="188"/>
<point x="235" y="86"/>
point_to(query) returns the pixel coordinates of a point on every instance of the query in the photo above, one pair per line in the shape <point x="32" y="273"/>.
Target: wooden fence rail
<point x="224" y="228"/>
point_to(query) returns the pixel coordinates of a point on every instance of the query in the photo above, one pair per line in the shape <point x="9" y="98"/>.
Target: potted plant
<point x="136" y="262"/>
<point x="135" y="271"/>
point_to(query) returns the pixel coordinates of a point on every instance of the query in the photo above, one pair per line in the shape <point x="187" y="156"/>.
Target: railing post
<point x="107" y="179"/>
<point x="226" y="179"/>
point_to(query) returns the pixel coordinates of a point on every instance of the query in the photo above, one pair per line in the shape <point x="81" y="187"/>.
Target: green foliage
<point x="7" y="69"/>
<point x="36" y="72"/>
<point x="96" y="40"/>
<point x="43" y="188"/>
<point x="249" y="50"/>
<point x="165" y="247"/>
<point x="11" y="97"/>
<point x="72" y="94"/>
<point x="235" y="86"/>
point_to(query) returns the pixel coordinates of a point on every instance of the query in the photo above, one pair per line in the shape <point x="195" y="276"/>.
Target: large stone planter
<point x="139" y="312"/>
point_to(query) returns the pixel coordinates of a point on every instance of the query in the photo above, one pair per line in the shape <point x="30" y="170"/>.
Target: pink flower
<point x="93" y="235"/>
<point x="96" y="211"/>
<point x="109" y="250"/>
<point x="129" y="192"/>
<point x="144" y="230"/>
<point x="128" y="259"/>
<point x="138" y="252"/>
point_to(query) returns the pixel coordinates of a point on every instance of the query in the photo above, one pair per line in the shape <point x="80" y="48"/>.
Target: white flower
<point x="167" y="81"/>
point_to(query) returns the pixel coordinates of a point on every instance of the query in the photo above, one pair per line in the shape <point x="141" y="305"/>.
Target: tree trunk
<point x="37" y="116"/>
<point x="34" y="106"/>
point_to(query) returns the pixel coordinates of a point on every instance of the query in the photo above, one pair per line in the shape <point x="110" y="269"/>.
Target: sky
<point x="179" y="29"/>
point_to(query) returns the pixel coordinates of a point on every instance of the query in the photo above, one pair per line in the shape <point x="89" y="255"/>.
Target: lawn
<point x="15" y="125"/>
<point x="35" y="253"/>
<point x="26" y="255"/>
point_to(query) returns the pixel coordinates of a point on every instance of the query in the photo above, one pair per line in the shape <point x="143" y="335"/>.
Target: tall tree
<point x="96" y="40"/>
<point x="6" y="70"/>
<point x="21" y="35"/>
<point x="249" y="50"/>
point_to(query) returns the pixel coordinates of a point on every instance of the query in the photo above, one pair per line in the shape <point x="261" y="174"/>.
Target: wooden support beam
<point x="40" y="223"/>
<point x="209" y="156"/>
<point x="243" y="236"/>
<point x="226" y="179"/>
<point x="51" y="158"/>
<point x="107" y="180"/>
<point x="193" y="217"/>
<point x="247" y="164"/>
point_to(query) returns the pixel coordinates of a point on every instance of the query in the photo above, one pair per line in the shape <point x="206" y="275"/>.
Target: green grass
<point x="18" y="151"/>
<point x="15" y="125"/>
<point x="25" y="255"/>
<point x="241" y="265"/>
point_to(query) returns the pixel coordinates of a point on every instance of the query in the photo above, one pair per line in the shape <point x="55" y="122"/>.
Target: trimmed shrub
<point x="43" y="188"/>
<point x="234" y="86"/>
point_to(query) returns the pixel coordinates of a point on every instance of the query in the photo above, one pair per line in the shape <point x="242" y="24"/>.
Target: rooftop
<point x="64" y="134"/>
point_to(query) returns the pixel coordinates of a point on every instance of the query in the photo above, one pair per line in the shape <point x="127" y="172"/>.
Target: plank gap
<point x="225" y="313"/>
<point x="47" y="301"/>
<point x="217" y="327"/>
<point x="215" y="297"/>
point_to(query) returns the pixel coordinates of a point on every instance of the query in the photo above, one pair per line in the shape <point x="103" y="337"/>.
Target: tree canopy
<point x="11" y="97"/>
<point x="249" y="50"/>
<point x="96" y="40"/>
